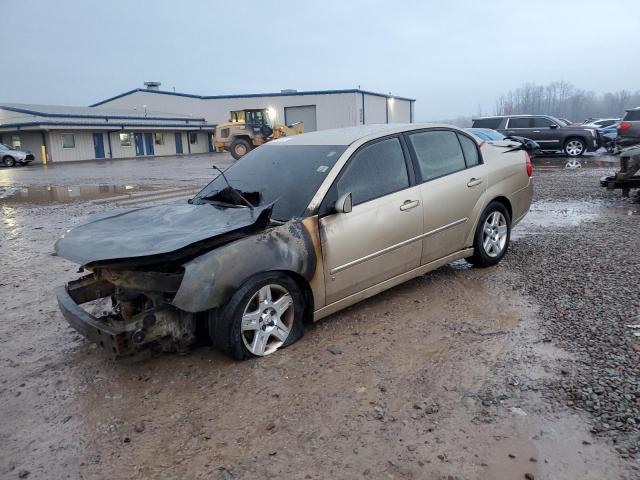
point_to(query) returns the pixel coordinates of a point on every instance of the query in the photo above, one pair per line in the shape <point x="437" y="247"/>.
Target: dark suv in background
<point x="629" y="128"/>
<point x="552" y="134"/>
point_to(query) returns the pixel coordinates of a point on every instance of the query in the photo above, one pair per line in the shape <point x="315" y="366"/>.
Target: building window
<point x="158" y="138"/>
<point x="68" y="140"/>
<point x="125" y="139"/>
<point x="193" y="138"/>
<point x="15" y="141"/>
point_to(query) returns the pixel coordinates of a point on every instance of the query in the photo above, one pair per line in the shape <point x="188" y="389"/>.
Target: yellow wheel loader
<point x="248" y="129"/>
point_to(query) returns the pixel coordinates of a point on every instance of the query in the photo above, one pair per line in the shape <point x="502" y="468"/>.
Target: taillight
<point x="624" y="126"/>
<point x="529" y="166"/>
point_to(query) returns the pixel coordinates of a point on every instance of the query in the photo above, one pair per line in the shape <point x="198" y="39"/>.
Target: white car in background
<point x="600" y="123"/>
<point x="11" y="157"/>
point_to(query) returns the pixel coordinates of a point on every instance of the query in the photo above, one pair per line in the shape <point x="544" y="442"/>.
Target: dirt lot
<point x="524" y="370"/>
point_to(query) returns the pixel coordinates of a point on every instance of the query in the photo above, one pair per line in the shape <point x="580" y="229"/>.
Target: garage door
<point x="306" y="114"/>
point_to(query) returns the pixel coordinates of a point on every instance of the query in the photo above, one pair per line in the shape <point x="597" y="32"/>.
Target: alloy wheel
<point x="574" y="148"/>
<point x="267" y="320"/>
<point x="494" y="236"/>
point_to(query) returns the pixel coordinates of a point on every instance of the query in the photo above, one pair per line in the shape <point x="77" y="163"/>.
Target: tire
<point x="487" y="256"/>
<point x="239" y="148"/>
<point x="234" y="326"/>
<point x="9" y="161"/>
<point x="574" y="147"/>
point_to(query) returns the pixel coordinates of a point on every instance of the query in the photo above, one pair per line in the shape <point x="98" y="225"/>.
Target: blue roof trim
<point x="81" y="115"/>
<point x="252" y="95"/>
<point x="194" y="126"/>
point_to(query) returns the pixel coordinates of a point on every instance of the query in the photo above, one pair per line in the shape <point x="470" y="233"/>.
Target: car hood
<point x="155" y="230"/>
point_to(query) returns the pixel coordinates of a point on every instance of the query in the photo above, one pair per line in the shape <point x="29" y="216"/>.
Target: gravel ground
<point x="581" y="264"/>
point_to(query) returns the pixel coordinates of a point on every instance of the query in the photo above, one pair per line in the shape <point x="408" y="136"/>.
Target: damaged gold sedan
<point x="294" y="231"/>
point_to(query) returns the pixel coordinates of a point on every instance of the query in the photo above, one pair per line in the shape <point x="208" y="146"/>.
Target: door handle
<point x="473" y="182"/>
<point x="409" y="204"/>
<point x="536" y="131"/>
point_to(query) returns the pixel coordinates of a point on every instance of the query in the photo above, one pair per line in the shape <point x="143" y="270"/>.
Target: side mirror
<point x="553" y="126"/>
<point x="344" y="204"/>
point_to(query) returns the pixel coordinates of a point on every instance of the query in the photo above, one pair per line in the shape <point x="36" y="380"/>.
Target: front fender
<point x="210" y="279"/>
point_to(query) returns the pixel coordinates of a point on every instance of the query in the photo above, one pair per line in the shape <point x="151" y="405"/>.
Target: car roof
<point x="349" y="135"/>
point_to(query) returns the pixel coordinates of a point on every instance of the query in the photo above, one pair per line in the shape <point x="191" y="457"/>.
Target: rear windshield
<point x="288" y="175"/>
<point x="487" y="123"/>
<point x="632" y="115"/>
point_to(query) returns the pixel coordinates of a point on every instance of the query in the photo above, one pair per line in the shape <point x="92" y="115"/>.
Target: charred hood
<point x="149" y="234"/>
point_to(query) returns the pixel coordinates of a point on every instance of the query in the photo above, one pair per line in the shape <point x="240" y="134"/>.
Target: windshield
<point x="558" y="122"/>
<point x="257" y="117"/>
<point x="288" y="175"/>
<point x="5" y="147"/>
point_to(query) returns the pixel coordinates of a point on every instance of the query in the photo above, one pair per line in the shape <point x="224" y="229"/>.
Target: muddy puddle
<point x="562" y="162"/>
<point x="546" y="214"/>
<point x="46" y="194"/>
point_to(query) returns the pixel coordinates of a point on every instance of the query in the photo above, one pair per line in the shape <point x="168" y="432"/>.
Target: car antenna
<point x="233" y="189"/>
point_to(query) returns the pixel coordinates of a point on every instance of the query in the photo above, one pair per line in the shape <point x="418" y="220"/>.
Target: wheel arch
<point x="505" y="201"/>
<point x="490" y="198"/>
<point x="576" y="136"/>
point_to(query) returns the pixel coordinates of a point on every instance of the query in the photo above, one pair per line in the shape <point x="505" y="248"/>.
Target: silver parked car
<point x="12" y="157"/>
<point x="296" y="230"/>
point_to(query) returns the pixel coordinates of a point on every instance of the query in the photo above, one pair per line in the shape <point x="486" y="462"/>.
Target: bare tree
<point x="562" y="99"/>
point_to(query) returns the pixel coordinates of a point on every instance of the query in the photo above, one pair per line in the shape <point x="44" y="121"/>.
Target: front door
<point x="541" y="132"/>
<point x="380" y="238"/>
<point x="98" y="145"/>
<point x="453" y="181"/>
<point x="148" y="141"/>
<point x="137" y="138"/>
<point x="178" y="143"/>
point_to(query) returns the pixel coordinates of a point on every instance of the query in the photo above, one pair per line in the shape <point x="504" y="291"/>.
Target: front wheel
<point x="262" y="316"/>
<point x="239" y="148"/>
<point x="9" y="161"/>
<point x="492" y="236"/>
<point x="574" y="147"/>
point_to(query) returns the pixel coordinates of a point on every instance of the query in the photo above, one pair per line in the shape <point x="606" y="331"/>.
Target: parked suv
<point x="10" y="156"/>
<point x="551" y="133"/>
<point x="629" y="128"/>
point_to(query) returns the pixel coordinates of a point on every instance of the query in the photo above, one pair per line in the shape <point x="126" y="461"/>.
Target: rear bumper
<point x="111" y="337"/>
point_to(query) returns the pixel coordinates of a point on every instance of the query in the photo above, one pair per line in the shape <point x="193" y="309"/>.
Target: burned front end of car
<point x="124" y="311"/>
<point x="156" y="273"/>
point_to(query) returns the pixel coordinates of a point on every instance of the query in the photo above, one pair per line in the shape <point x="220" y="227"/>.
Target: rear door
<point x="520" y="126"/>
<point x="380" y="238"/>
<point x="452" y="180"/>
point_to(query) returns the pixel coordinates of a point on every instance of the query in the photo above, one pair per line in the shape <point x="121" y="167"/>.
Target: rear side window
<point x="376" y="170"/>
<point x="633" y="115"/>
<point x="470" y="150"/>
<point x="492" y="123"/>
<point x="541" y="122"/>
<point x="439" y="153"/>
<point x="520" y="122"/>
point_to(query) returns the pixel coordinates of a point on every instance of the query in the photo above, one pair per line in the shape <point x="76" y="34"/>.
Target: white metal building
<point x="319" y="110"/>
<point x="60" y="133"/>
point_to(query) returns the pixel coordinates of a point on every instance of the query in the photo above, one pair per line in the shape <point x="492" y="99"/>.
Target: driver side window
<point x="375" y="170"/>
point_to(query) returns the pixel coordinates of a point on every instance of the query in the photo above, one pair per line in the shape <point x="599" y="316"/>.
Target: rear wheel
<point x="264" y="315"/>
<point x="574" y="147"/>
<point x="492" y="236"/>
<point x="9" y="161"/>
<point x="239" y="148"/>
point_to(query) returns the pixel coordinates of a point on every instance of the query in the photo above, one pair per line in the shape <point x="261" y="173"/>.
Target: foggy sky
<point x="454" y="57"/>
